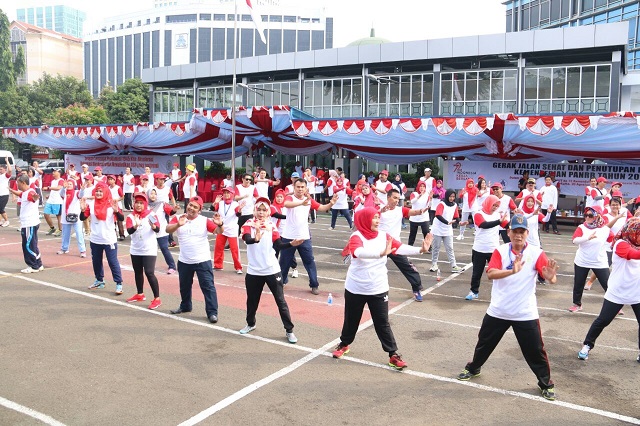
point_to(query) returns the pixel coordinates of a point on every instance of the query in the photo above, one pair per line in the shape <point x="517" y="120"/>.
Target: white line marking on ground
<point x="29" y="412"/>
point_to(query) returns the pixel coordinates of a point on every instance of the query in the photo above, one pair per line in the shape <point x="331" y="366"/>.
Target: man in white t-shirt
<point x="245" y="192"/>
<point x="262" y="184"/>
<point x="29" y="224"/>
<point x="277" y="171"/>
<point x="549" y="205"/>
<point x="513" y="268"/>
<point x="192" y="230"/>
<point x="5" y="176"/>
<point x="53" y="207"/>
<point x="176" y="176"/>
<point x="128" y="187"/>
<point x="296" y="227"/>
<point x="382" y="186"/>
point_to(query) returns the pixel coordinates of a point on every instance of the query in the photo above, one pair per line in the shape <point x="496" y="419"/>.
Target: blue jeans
<point x="343" y="212"/>
<point x="111" y="252"/>
<point x="204" y="270"/>
<point x="305" y="250"/>
<point x="66" y="236"/>
<point x="163" y="242"/>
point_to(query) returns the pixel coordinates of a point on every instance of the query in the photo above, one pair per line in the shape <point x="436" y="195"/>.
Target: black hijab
<point x="446" y="197"/>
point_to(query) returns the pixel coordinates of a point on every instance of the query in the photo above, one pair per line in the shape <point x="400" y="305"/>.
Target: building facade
<point x="46" y="51"/>
<point x="61" y="19"/>
<point x="524" y="15"/>
<point x="188" y="33"/>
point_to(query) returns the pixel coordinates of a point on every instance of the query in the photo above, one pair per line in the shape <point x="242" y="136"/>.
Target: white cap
<point x="427" y="169"/>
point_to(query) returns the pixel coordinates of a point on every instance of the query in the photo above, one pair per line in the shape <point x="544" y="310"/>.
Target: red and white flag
<point x="257" y="21"/>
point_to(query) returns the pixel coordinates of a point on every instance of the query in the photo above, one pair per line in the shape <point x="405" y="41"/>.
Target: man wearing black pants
<point x="513" y="268"/>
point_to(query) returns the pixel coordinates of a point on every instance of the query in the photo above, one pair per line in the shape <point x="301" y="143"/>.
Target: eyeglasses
<point x="589" y="215"/>
<point x="248" y="179"/>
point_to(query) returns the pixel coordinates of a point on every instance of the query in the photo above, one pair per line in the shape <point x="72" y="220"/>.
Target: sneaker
<point x="588" y="284"/>
<point x="172" y="244"/>
<point x="137" y="298"/>
<point x="457" y="269"/>
<point x="638" y="359"/>
<point x="217" y="269"/>
<point x="29" y="270"/>
<point x="57" y="233"/>
<point x="575" y="308"/>
<point x="549" y="393"/>
<point x="4" y="224"/>
<point x="471" y="296"/>
<point x="340" y="351"/>
<point x="460" y="237"/>
<point x="247" y="329"/>
<point x="41" y="268"/>
<point x="620" y="312"/>
<point x="434" y="268"/>
<point x="292" y="338"/>
<point x="314" y="290"/>
<point x="96" y="284"/>
<point x="51" y="231"/>
<point x="417" y="296"/>
<point x="83" y="254"/>
<point x="62" y="252"/>
<point x="227" y="247"/>
<point x="396" y="362"/>
<point x="155" y="304"/>
<point x="239" y="271"/>
<point x="171" y="271"/>
<point x="121" y="238"/>
<point x="332" y="229"/>
<point x="584" y="353"/>
<point x="468" y="374"/>
<point x="557" y="233"/>
<point x="294" y="273"/>
<point x="118" y="288"/>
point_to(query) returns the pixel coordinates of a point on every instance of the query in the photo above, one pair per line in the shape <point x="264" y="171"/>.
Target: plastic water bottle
<point x="330" y="300"/>
<point x="438" y="276"/>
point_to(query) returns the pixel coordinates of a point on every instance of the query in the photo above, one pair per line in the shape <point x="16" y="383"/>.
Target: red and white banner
<point x="573" y="177"/>
<point x="115" y="164"/>
<point x="257" y="19"/>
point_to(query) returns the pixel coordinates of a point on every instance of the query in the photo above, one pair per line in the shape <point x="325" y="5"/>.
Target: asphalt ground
<point x="73" y="356"/>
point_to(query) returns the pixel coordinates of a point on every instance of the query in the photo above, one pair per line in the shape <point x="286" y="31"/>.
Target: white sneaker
<point x="434" y="268"/>
<point x="247" y="329"/>
<point x="294" y="273"/>
<point x="584" y="353"/>
<point x="4" y="224"/>
<point x="460" y="237"/>
<point x="29" y="270"/>
<point x="239" y="272"/>
<point x="41" y="268"/>
<point x="292" y="338"/>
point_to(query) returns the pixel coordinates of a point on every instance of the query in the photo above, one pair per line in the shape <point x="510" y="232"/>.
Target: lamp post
<point x="387" y="88"/>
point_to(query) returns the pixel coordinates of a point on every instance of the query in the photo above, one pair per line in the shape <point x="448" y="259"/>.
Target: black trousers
<point x="408" y="270"/>
<point x="479" y="261"/>
<point x="128" y="201"/>
<point x="608" y="312"/>
<point x="504" y="233"/>
<point x="30" y="249"/>
<point x="254" y="285"/>
<point x="413" y="230"/>
<point x="580" y="276"/>
<point x="378" y="307"/>
<point x="529" y="338"/>
<point x="553" y="221"/>
<point x="145" y="265"/>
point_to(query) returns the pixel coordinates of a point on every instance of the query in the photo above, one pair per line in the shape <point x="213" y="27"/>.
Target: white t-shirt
<point x="229" y="218"/>
<point x="382" y="196"/>
<point x="261" y="256"/>
<point x="29" y="215"/>
<point x="296" y="225"/>
<point x="163" y="193"/>
<point x="419" y="202"/>
<point x="277" y="172"/>
<point x="263" y="188"/>
<point x="514" y="298"/>
<point x="128" y="184"/>
<point x="4" y="183"/>
<point x="486" y="240"/>
<point x="54" y="195"/>
<point x="193" y="239"/>
<point x="449" y="213"/>
<point x="102" y="231"/>
<point x="143" y="240"/>
<point x="343" y="199"/>
<point x="250" y="193"/>
<point x="624" y="281"/>
<point x="391" y="221"/>
<point x="549" y="196"/>
<point x="592" y="253"/>
<point x="74" y="206"/>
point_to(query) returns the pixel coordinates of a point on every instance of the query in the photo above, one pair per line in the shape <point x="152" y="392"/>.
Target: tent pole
<point x="233" y="93"/>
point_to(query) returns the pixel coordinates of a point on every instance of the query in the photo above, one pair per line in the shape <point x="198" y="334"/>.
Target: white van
<point x="7" y="155"/>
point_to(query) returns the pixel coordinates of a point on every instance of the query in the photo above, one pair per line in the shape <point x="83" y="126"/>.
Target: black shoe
<point x="468" y="374"/>
<point x="213" y="319"/>
<point x="178" y="311"/>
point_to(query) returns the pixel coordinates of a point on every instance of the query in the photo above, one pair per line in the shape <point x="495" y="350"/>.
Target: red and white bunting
<point x="381" y="126"/>
<point x="575" y="126"/>
<point x="411" y="125"/>
<point x="473" y="126"/>
<point x="302" y="128"/>
<point x="327" y="127"/>
<point x="536" y="125"/>
<point x="179" y="128"/>
<point x="444" y="126"/>
<point x="353" y="127"/>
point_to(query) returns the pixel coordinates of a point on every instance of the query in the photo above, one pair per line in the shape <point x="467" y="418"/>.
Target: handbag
<point x="72" y="217"/>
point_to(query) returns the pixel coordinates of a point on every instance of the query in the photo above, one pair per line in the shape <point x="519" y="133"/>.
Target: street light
<point x="387" y="89"/>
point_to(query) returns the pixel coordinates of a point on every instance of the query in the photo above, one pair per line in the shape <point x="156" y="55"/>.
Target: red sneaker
<point x="155" y="303"/>
<point x="136" y="298"/>
<point x="340" y="351"/>
<point x="396" y="362"/>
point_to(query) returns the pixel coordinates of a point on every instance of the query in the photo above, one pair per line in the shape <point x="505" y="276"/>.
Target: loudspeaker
<point x="26" y="154"/>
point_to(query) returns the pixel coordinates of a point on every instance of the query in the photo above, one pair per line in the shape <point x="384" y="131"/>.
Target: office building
<point x="61" y="19"/>
<point x="46" y="51"/>
<point x="524" y="15"/>
<point x="189" y="34"/>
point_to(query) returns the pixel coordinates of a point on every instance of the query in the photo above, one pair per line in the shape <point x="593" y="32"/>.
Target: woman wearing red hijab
<point x="468" y="195"/>
<point x="367" y="282"/>
<point x="624" y="284"/>
<point x="142" y="226"/>
<point x="488" y="221"/>
<point x="103" y="212"/>
<point x="365" y="198"/>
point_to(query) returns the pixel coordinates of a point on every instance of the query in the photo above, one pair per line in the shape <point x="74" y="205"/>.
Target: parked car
<point x="48" y="166"/>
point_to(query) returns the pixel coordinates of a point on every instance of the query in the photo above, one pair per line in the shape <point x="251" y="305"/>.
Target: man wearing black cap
<point x="513" y="268"/>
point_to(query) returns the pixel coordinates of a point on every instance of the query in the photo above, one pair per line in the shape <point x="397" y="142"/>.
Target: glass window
<point x="573" y="82"/>
<point x="544" y="83"/>
<point x="558" y="85"/>
<point x="471" y="86"/>
<point x="555" y="10"/>
<point x="587" y="87"/>
<point x="603" y="81"/>
<point x="531" y="83"/>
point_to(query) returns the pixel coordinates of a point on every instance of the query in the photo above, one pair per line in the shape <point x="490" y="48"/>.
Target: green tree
<point x="15" y="110"/>
<point x="49" y="93"/>
<point x="129" y="104"/>
<point x="8" y="66"/>
<point x="432" y="164"/>
<point x="78" y="114"/>
<point x="20" y="64"/>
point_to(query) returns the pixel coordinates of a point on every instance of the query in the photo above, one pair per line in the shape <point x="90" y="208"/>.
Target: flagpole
<point x="233" y="93"/>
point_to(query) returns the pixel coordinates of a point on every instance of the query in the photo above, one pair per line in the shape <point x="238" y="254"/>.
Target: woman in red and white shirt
<point x="229" y="211"/>
<point x="367" y="282"/>
<point x="261" y="237"/>
<point x="591" y="237"/>
<point x="624" y="284"/>
<point x="342" y="190"/>
<point x="442" y="229"/>
<point x="468" y="195"/>
<point x="365" y="198"/>
<point x="103" y="212"/>
<point x="419" y="201"/>
<point x="142" y="226"/>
